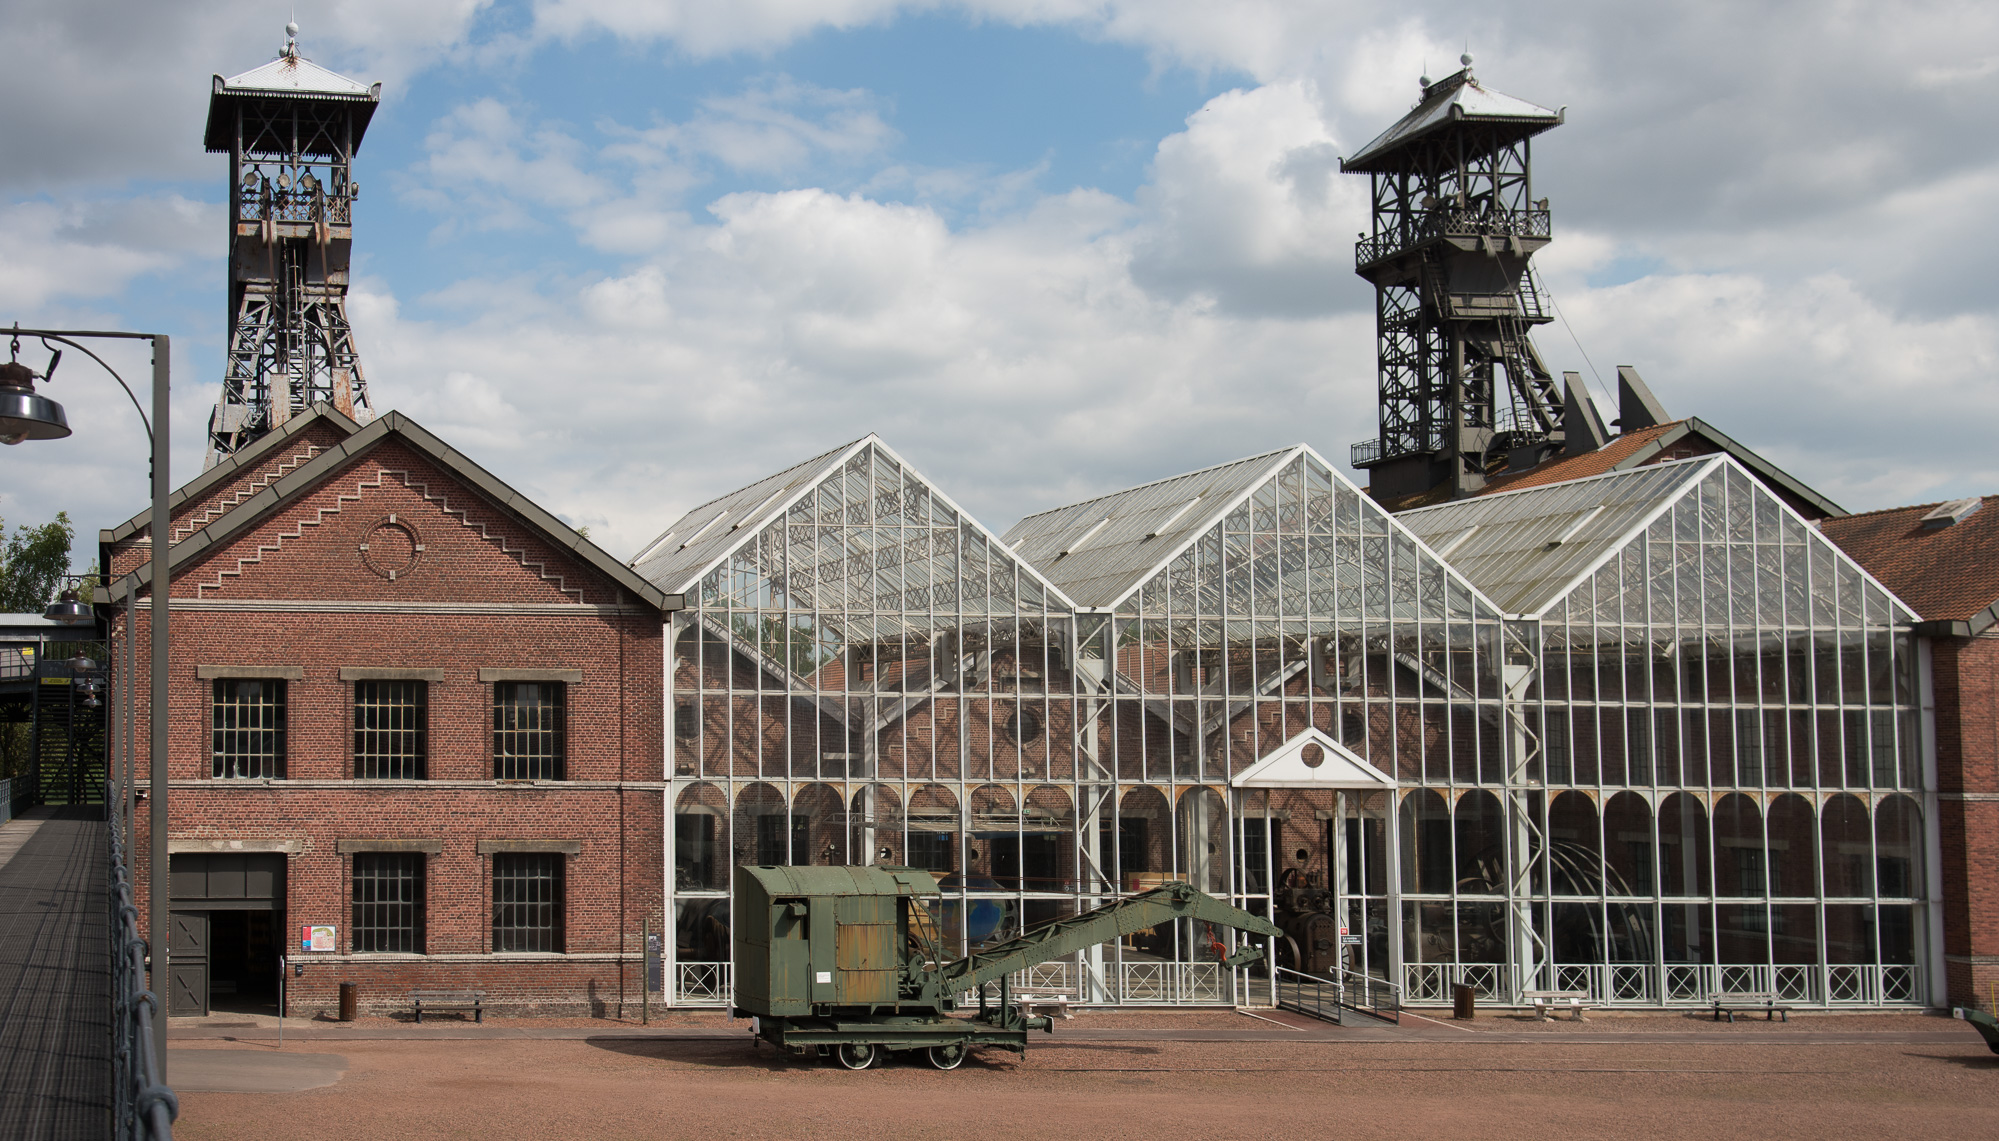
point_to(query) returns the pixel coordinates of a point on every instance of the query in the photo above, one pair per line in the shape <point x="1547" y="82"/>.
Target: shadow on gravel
<point x="744" y="1055"/>
<point x="1986" y="1061"/>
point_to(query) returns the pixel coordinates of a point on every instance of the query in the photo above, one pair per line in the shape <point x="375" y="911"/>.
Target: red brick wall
<point x="512" y="601"/>
<point x="197" y="512"/>
<point x="1966" y="676"/>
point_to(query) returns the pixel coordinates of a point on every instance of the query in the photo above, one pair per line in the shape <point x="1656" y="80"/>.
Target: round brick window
<point x="392" y="548"/>
<point x="1313" y="755"/>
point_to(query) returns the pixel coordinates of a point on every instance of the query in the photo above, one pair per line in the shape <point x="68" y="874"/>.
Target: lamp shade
<point x="23" y="414"/>
<point x="68" y="610"/>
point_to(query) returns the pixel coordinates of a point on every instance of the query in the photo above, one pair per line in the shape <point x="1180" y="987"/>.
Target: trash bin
<point x="350" y="998"/>
<point x="1463" y="1001"/>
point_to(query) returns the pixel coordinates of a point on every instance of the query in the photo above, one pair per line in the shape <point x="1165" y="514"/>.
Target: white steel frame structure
<point x="1647" y="735"/>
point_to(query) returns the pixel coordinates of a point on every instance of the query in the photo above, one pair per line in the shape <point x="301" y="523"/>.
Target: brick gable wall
<point x="191" y="516"/>
<point x="1966" y="678"/>
<point x="297" y="594"/>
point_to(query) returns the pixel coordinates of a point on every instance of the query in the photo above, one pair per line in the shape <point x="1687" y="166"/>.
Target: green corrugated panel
<point x="786" y="882"/>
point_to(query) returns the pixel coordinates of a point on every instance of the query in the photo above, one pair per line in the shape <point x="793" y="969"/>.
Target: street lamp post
<point x="25" y="415"/>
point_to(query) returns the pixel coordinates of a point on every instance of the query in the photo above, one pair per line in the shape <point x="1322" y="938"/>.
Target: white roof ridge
<point x="1618" y="473"/>
<point x="288" y="73"/>
<point x="841" y="450"/>
<point x="818" y="468"/>
<point x="1288" y="448"/>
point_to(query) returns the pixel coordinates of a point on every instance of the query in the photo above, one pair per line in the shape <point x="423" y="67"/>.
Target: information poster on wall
<point x="313" y="937"/>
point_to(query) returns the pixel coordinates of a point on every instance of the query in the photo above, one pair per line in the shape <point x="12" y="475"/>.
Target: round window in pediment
<point x="392" y="548"/>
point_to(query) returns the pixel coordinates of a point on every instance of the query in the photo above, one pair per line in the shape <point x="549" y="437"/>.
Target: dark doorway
<point x="228" y="927"/>
<point x="243" y="961"/>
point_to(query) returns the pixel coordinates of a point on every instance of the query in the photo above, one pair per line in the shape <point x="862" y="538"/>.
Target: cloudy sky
<point x="629" y="254"/>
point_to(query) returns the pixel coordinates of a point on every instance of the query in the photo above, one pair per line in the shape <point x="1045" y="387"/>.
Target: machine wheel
<point x="857" y="1055"/>
<point x="948" y="1057"/>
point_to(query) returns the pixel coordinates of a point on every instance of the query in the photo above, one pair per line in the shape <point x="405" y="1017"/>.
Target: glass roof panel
<point x="1132" y="533"/>
<point x="867" y="544"/>
<point x="1525" y="549"/>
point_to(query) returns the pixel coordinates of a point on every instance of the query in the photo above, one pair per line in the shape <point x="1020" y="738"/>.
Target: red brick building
<point x="1943" y="560"/>
<point x="409" y="706"/>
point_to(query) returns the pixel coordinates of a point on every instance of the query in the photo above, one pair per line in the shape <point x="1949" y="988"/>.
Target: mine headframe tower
<point x="290" y="129"/>
<point x="1455" y="224"/>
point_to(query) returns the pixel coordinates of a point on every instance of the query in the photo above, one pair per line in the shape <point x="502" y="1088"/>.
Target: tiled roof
<point x="1606" y="458"/>
<point x="1657" y="443"/>
<point x="1949" y="574"/>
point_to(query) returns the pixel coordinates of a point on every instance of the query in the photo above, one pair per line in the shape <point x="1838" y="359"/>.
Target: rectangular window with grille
<point x="391" y="720"/>
<point x="1749" y="748"/>
<point x="771" y="849"/>
<point x="528" y="730"/>
<point x="388" y="901"/>
<point x="249" y="720"/>
<point x="527" y="901"/>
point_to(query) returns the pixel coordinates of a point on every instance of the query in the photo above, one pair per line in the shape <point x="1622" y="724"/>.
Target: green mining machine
<point x="849" y="959"/>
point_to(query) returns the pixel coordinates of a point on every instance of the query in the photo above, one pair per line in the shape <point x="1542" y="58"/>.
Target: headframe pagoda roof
<point x="1454" y="99"/>
<point x="289" y="76"/>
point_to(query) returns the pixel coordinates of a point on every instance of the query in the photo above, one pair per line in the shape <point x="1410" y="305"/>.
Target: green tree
<point x="33" y="561"/>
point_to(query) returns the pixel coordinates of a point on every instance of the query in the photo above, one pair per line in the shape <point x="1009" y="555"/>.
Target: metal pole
<point x="157" y="885"/>
<point x="645" y="971"/>
<point x="75" y="792"/>
<point x="114" y="729"/>
<point x="130" y="693"/>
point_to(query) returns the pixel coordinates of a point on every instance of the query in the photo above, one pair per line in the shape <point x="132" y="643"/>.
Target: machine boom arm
<point x="1119" y="917"/>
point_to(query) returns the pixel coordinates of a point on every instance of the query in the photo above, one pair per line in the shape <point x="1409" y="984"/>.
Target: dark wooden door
<point x="187" y="963"/>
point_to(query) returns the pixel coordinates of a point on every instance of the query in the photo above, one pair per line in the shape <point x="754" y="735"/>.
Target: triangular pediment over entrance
<point x="1312" y="760"/>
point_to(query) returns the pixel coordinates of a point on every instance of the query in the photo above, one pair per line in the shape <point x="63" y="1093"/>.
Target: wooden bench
<point x="436" y="1000"/>
<point x="1546" y="1001"/>
<point x="1032" y="1003"/>
<point x="1751" y="1001"/>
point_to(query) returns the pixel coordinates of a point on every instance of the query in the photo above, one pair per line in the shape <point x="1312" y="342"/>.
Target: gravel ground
<point x="1784" y="1084"/>
<point x="1690" y="1022"/>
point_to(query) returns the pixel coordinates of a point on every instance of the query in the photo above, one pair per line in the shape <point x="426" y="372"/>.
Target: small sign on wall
<point x="313" y="937"/>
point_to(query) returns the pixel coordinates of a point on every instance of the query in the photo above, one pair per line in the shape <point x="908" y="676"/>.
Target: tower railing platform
<point x="1432" y="225"/>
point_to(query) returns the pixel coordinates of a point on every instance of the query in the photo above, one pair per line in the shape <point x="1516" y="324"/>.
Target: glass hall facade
<point x="1647" y="735"/>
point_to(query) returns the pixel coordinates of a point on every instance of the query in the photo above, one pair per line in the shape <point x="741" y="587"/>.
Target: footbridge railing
<point x="142" y="1107"/>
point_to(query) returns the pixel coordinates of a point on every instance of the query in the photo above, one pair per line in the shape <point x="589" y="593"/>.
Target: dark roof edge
<point x="252" y="511"/>
<point x="1673" y="434"/>
<point x="1923" y="507"/>
<point x="1977" y="624"/>
<point x="201" y="483"/>
<point x="1766" y="469"/>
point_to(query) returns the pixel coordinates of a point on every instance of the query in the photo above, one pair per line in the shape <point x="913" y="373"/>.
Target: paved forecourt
<point x="1115" y="1075"/>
